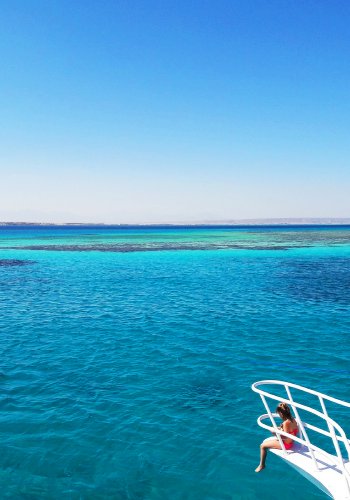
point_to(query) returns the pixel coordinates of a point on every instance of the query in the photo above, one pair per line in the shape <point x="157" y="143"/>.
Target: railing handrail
<point x="300" y="388"/>
<point x="303" y="407"/>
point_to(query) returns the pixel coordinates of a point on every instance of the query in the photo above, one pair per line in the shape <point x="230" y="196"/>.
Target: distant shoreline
<point x="228" y="223"/>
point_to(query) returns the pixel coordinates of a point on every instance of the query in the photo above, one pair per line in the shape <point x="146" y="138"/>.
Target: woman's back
<point x="290" y="426"/>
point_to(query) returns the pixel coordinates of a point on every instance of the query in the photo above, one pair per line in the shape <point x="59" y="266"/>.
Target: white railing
<point x="333" y="426"/>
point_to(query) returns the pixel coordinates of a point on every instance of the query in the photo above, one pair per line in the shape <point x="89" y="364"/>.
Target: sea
<point x="128" y="355"/>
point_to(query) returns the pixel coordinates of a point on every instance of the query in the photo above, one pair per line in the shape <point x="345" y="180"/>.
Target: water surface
<point x="128" y="355"/>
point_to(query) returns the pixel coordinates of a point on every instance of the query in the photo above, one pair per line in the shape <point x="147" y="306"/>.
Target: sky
<point x="140" y="111"/>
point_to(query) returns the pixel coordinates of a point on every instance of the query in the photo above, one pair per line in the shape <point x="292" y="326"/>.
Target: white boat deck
<point x="328" y="478"/>
<point x="330" y="473"/>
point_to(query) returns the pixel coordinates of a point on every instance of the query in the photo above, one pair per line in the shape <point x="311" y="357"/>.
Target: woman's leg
<point x="265" y="445"/>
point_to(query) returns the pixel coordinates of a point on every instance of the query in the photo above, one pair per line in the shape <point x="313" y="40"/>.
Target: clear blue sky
<point x="179" y="110"/>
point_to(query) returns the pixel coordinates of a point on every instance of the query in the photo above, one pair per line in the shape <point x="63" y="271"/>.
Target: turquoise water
<point x="128" y="354"/>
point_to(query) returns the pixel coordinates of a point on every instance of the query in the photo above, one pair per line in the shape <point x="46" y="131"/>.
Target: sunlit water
<point x="127" y="356"/>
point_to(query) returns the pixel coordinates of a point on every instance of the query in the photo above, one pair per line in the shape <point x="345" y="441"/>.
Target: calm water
<point x="127" y="356"/>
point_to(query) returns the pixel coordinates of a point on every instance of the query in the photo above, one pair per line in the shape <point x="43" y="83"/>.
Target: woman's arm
<point x="279" y="427"/>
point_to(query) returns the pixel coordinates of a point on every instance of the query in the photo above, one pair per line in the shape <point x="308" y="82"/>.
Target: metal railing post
<point x="335" y="443"/>
<point x="302" y="428"/>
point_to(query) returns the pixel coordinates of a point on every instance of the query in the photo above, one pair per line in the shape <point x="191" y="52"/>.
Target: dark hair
<point x="284" y="410"/>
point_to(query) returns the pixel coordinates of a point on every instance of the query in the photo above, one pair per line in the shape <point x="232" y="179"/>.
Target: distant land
<point x="232" y="222"/>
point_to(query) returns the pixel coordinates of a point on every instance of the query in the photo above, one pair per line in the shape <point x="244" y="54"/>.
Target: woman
<point x="289" y="425"/>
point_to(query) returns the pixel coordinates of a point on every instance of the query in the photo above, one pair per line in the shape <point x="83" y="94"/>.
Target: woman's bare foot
<point x="260" y="468"/>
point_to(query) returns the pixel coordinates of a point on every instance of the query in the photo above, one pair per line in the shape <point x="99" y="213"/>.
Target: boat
<point x="326" y="465"/>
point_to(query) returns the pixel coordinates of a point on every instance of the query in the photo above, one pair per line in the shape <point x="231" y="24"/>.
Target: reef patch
<point x="15" y="262"/>
<point x="147" y="248"/>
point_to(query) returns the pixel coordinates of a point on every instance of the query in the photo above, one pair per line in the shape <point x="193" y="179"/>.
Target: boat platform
<point x="329" y="472"/>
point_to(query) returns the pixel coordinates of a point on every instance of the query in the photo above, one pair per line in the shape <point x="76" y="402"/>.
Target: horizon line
<point x="228" y="222"/>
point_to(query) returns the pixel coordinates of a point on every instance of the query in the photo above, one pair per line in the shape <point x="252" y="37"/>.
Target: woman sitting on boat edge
<point x="289" y="425"/>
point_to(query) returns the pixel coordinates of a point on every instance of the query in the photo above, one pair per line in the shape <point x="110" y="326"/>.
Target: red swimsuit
<point x="289" y="446"/>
